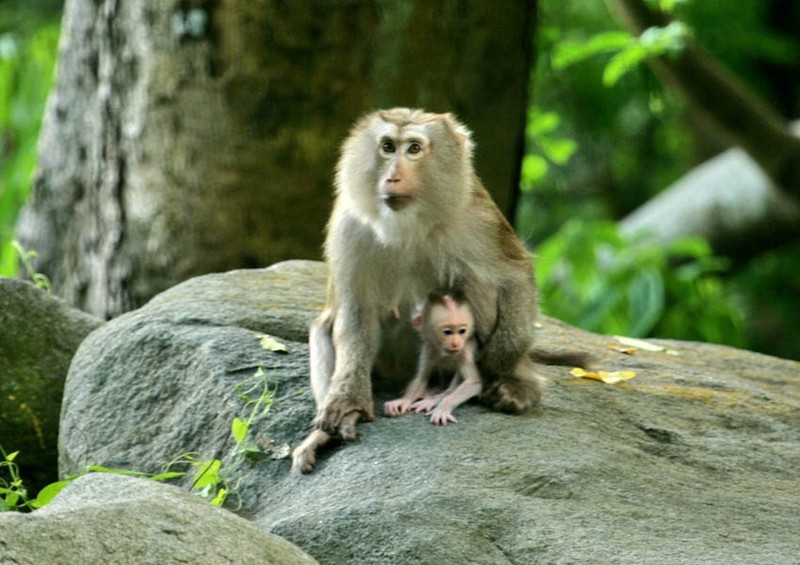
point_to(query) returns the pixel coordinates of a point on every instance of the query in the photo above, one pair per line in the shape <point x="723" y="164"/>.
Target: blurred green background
<point x="594" y="154"/>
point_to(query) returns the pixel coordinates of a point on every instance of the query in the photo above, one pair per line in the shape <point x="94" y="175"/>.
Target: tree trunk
<point x="200" y="135"/>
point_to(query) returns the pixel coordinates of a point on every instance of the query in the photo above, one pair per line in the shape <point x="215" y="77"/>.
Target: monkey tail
<point x="563" y="358"/>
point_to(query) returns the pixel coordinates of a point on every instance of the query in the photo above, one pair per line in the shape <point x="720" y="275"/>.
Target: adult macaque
<point x="411" y="215"/>
<point x="446" y="327"/>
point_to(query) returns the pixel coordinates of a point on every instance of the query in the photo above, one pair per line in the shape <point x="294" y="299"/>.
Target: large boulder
<point x="103" y="518"/>
<point x="39" y="334"/>
<point x="694" y="460"/>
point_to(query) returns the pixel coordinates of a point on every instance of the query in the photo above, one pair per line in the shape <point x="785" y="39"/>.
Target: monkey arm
<point x="468" y="388"/>
<point x="356" y="304"/>
<point x="356" y="339"/>
<point x="431" y="400"/>
<point x="417" y="388"/>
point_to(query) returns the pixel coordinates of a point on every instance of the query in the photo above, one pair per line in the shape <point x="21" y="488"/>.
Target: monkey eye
<point x="447" y="331"/>
<point x="414" y="147"/>
<point x="388" y="146"/>
<point x="462" y="331"/>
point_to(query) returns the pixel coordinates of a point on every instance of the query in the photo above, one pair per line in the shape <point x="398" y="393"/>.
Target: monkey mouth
<point x="397" y="202"/>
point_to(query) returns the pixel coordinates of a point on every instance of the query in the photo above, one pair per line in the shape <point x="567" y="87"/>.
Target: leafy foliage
<point x="26" y="71"/>
<point x="209" y="478"/>
<point x="549" y="147"/>
<point x="593" y="277"/>
<point x="257" y="396"/>
<point x="628" y="51"/>
<point x="27" y="257"/>
<point x="632" y="140"/>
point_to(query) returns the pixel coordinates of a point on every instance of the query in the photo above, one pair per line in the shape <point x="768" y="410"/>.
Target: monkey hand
<point x="339" y="414"/>
<point x="426" y="404"/>
<point x="396" y="407"/>
<point x="441" y="417"/>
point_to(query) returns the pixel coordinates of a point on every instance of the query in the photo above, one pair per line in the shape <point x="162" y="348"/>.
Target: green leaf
<point x="541" y="123"/>
<point x="48" y="493"/>
<point x="101" y="469"/>
<point x="222" y="494"/>
<point x="622" y="63"/>
<point x="168" y="475"/>
<point x="645" y="301"/>
<point x="559" y="151"/>
<point x="239" y="430"/>
<point x="207" y="474"/>
<point x="668" y="6"/>
<point x="250" y="450"/>
<point x="534" y="169"/>
<point x="570" y="52"/>
<point x="12" y="499"/>
<point x="599" y="309"/>
<point x="690" y="247"/>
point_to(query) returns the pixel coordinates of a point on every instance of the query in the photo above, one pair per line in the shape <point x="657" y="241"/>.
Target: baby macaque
<point x="446" y="327"/>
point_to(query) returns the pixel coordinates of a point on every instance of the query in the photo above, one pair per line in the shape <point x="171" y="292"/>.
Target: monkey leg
<point x="515" y="391"/>
<point x="347" y="429"/>
<point x="322" y="357"/>
<point x="332" y="407"/>
<point x="304" y="456"/>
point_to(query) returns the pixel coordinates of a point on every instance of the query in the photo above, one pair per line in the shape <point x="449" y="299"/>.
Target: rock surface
<point x="103" y="518"/>
<point x="39" y="334"/>
<point x="695" y="460"/>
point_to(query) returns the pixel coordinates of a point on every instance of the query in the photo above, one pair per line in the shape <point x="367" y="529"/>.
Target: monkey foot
<point x="338" y="416"/>
<point x="304" y="456"/>
<point x="347" y="428"/>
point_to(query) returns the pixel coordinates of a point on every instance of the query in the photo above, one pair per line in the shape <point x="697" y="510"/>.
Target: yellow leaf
<point x="270" y="343"/>
<point x="638" y="343"/>
<point x="621" y="349"/>
<point x="603" y="376"/>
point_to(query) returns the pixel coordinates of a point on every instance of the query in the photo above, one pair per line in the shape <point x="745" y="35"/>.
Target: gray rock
<point x="170" y="371"/>
<point x="695" y="460"/>
<point x="103" y="518"/>
<point x="39" y="334"/>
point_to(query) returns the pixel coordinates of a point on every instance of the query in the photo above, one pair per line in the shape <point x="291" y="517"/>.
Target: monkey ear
<point x="417" y="321"/>
<point x="461" y="132"/>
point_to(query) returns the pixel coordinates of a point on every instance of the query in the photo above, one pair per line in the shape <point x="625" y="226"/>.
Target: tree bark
<point x="200" y="135"/>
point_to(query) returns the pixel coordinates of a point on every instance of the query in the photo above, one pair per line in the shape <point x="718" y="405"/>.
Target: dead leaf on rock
<point x="632" y="342"/>
<point x="621" y="349"/>
<point x="603" y="376"/>
<point x="271" y="343"/>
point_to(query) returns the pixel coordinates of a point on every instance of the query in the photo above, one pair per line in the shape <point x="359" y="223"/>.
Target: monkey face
<point x="402" y="152"/>
<point x="452" y="338"/>
<point x="396" y="174"/>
